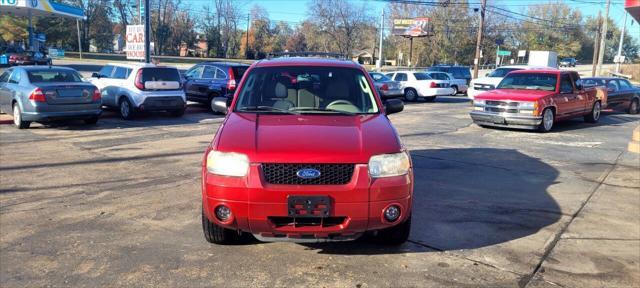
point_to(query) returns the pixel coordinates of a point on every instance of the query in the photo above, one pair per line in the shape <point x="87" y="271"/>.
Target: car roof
<point x="546" y="71"/>
<point x="223" y="63"/>
<point x="42" y="67"/>
<point x="528" y="67"/>
<point x="451" y="66"/>
<point x="307" y="61"/>
<point x="602" y="78"/>
<point x="134" y="65"/>
<point x="409" y="71"/>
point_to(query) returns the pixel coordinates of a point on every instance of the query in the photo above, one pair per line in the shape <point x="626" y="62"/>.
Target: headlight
<point x="386" y="165"/>
<point x="478" y="102"/>
<point x="227" y="163"/>
<point x="527" y="105"/>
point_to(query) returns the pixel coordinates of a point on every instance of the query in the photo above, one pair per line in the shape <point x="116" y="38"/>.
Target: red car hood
<point x="514" y="94"/>
<point x="268" y="138"/>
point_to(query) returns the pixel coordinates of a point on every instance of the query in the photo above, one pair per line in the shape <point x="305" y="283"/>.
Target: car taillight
<point x="138" y="82"/>
<point x="37" y="96"/>
<point x="433" y="85"/>
<point x="97" y="95"/>
<point x="231" y="83"/>
<point x="384" y="87"/>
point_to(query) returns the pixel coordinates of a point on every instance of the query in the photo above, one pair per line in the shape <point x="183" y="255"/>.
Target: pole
<point x="139" y="12"/>
<point x="246" y="43"/>
<point x="379" y="64"/>
<point x="497" y="56"/>
<point x="410" y="51"/>
<point x="624" y="23"/>
<point x="596" y="45"/>
<point x="603" y="38"/>
<point x="30" y="41"/>
<point x="79" y="42"/>
<point x="476" y="60"/>
<point x="147" y="32"/>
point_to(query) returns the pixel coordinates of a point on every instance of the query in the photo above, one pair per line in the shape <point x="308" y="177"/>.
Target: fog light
<point x="223" y="213"/>
<point x="392" y="213"/>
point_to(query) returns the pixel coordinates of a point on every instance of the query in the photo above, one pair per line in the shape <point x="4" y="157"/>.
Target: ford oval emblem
<point x="308" y="173"/>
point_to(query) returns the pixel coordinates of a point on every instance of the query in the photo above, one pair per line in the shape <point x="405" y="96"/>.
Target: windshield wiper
<point x="324" y="110"/>
<point x="266" y="109"/>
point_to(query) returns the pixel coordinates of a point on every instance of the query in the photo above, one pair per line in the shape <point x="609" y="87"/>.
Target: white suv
<point x="483" y="84"/>
<point x="416" y="84"/>
<point x="140" y="87"/>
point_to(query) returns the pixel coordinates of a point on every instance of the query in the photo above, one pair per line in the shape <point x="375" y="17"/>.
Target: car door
<point x="402" y="79"/>
<point x="103" y="82"/>
<point x="565" y="100"/>
<point x="4" y="92"/>
<point x="190" y="85"/>
<point x="116" y="82"/>
<point x="200" y="86"/>
<point x="615" y="95"/>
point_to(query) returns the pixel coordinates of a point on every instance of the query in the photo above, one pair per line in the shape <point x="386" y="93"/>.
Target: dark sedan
<point x="621" y="93"/>
<point x="29" y="58"/>
<point x="211" y="83"/>
<point x="387" y="87"/>
<point x="43" y="94"/>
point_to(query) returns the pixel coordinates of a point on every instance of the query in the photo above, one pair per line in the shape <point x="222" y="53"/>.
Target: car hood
<point x="269" y="138"/>
<point x="514" y="94"/>
<point x="487" y="80"/>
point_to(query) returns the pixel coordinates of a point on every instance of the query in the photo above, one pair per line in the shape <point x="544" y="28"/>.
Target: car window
<point x="106" y="71"/>
<point x="613" y="85"/>
<point x="501" y="72"/>
<point x="160" y="74"/>
<point x="390" y="75"/>
<point x="208" y="72"/>
<point x="421" y="76"/>
<point x="318" y="90"/>
<point x="565" y="84"/>
<point x="120" y="73"/>
<point x="400" y="77"/>
<point x="195" y="72"/>
<point x="220" y="74"/>
<point x="624" y="84"/>
<point x="53" y="75"/>
<point x="460" y="72"/>
<point x="4" y="77"/>
<point x="439" y="76"/>
<point x="15" y="77"/>
<point x="238" y="71"/>
<point x="530" y="81"/>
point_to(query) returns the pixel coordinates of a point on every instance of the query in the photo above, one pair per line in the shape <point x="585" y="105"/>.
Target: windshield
<point x="567" y="60"/>
<point x="529" y="81"/>
<point x="421" y="76"/>
<point x="378" y="77"/>
<point x="501" y="72"/>
<point x="52" y="75"/>
<point x="322" y="90"/>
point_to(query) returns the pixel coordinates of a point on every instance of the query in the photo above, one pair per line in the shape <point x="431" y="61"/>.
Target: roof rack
<point x="307" y="54"/>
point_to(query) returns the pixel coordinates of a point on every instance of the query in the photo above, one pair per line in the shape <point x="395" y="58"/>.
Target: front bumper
<point x="505" y="120"/>
<point x="259" y="208"/>
<point x="430" y="92"/>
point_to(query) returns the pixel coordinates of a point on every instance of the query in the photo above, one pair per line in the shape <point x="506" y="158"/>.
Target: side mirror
<point x="221" y="104"/>
<point x="393" y="106"/>
<point x="95" y="75"/>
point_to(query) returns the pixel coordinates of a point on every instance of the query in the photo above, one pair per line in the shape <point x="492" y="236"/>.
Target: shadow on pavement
<point x="468" y="199"/>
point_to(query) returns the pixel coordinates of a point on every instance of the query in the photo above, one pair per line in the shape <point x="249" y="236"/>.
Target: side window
<point x="4" y="77"/>
<point x="15" y="77"/>
<point x="208" y="72"/>
<point x="195" y="72"/>
<point x="390" y="75"/>
<point x="400" y="77"/>
<point x="613" y="86"/>
<point x="106" y="71"/>
<point x="565" y="84"/>
<point x="120" y="73"/>
<point x="624" y="84"/>
<point x="220" y="74"/>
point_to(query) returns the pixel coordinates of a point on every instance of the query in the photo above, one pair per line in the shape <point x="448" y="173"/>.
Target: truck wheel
<point x="548" y="117"/>
<point x="126" y="109"/>
<point x="594" y="115"/>
<point x="17" y="118"/>
<point x="411" y="95"/>
<point x="395" y="235"/>
<point x="634" y="107"/>
<point x="216" y="234"/>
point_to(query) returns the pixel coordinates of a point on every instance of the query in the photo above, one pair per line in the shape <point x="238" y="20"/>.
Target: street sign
<point x="135" y="42"/>
<point x="522" y="53"/>
<point x="504" y="53"/>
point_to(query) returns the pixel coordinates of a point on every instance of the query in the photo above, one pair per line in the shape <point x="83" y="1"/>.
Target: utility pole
<point x="379" y="63"/>
<point x="246" y="42"/>
<point x="603" y="38"/>
<point x="624" y="24"/>
<point x="79" y="42"/>
<point x="476" y="60"/>
<point x="596" y="45"/>
<point x="147" y="32"/>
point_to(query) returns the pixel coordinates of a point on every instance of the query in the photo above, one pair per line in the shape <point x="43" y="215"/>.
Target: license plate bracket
<point x="497" y="119"/>
<point x="308" y="206"/>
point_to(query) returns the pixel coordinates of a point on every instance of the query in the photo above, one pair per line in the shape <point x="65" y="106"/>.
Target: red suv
<point x="306" y="152"/>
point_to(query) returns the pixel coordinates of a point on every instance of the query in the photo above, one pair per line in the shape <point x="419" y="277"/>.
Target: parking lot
<point x="118" y="204"/>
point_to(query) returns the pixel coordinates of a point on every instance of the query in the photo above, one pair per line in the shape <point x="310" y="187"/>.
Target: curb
<point x="634" y="144"/>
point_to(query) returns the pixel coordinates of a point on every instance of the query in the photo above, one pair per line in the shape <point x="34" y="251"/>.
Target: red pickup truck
<point x="536" y="99"/>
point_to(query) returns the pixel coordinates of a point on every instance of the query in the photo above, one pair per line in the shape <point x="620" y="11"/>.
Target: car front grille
<point x="308" y="221"/>
<point x="330" y="174"/>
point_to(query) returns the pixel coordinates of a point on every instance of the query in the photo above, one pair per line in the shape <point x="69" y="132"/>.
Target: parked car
<point x="458" y="85"/>
<point x="213" y="81"/>
<point x="386" y="87"/>
<point x="458" y="72"/>
<point x="29" y="58"/>
<point x="620" y="92"/>
<point x="536" y="99"/>
<point x="43" y="94"/>
<point x="307" y="152"/>
<point x="416" y="84"/>
<point x="568" y="62"/>
<point x="493" y="78"/>
<point x="133" y="88"/>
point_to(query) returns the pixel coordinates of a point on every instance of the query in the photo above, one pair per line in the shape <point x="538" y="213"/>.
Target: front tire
<point x="126" y="109"/>
<point x="17" y="118"/>
<point x="634" y="106"/>
<point x="548" y="118"/>
<point x="455" y="90"/>
<point x="216" y="234"/>
<point x="411" y="95"/>
<point x="395" y="235"/>
<point x="594" y="115"/>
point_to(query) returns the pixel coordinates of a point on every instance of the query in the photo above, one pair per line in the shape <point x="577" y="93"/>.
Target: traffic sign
<point x="504" y="53"/>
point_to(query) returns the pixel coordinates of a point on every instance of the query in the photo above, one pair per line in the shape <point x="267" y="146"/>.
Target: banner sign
<point x="135" y="42"/>
<point x="416" y="27"/>
<point x="56" y="53"/>
<point x="522" y="53"/>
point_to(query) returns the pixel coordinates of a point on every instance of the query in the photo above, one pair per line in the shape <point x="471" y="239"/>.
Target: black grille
<point x="311" y="221"/>
<point x="330" y="174"/>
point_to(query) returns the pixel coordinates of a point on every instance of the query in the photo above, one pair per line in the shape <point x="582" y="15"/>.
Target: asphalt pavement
<point x="118" y="204"/>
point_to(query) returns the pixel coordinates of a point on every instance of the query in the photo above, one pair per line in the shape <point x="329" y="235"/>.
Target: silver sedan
<point x="387" y="87"/>
<point x="43" y="94"/>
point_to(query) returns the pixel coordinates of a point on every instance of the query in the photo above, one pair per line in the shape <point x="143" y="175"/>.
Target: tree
<point x="342" y="21"/>
<point x="297" y="42"/>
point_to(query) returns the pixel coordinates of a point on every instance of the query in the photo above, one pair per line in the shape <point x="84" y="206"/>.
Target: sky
<point x="295" y="11"/>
